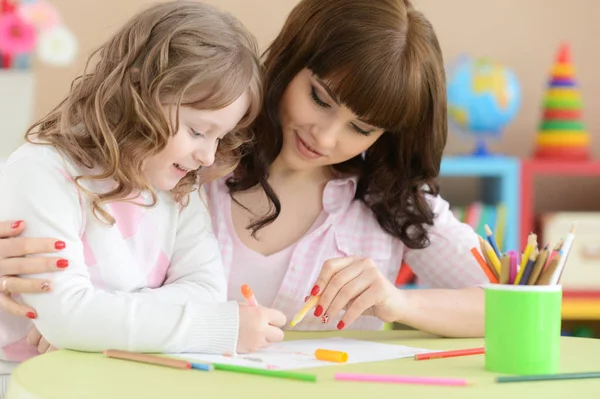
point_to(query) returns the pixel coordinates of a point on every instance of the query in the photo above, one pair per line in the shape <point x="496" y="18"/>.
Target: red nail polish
<point x="306" y="298"/>
<point x="31" y="315"/>
<point x="60" y="245"/>
<point x="62" y="263"/>
<point x="16" y="224"/>
<point x="318" y="310"/>
<point x="340" y="325"/>
<point x="315" y="290"/>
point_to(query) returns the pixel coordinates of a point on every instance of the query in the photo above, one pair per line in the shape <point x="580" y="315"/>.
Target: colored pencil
<point x="564" y="251"/>
<point x="453" y="353"/>
<point x="495" y="261"/>
<point x="248" y="295"/>
<point x="548" y="377"/>
<point x="504" y="269"/>
<point x="540" y="262"/>
<point x="268" y="373"/>
<point x="310" y="303"/>
<point x="492" y="240"/>
<point x="513" y="268"/>
<point x="484" y="266"/>
<point x="529" y="267"/>
<point x="202" y="366"/>
<point x="486" y="250"/>
<point x="546" y="276"/>
<point x="149" y="359"/>
<point x="531" y="244"/>
<point x="400" y="379"/>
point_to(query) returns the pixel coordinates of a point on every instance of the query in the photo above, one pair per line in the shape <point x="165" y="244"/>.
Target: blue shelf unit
<point x="500" y="177"/>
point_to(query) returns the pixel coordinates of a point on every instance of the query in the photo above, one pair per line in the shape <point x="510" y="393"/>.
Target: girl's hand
<point x="13" y="262"/>
<point x="35" y="338"/>
<point x="258" y="327"/>
<point x="357" y="285"/>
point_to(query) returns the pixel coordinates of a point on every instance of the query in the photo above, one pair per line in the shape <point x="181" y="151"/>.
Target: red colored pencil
<point x="454" y="353"/>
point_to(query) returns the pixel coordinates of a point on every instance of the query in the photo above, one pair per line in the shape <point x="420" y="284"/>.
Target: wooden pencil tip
<point x="487" y="229"/>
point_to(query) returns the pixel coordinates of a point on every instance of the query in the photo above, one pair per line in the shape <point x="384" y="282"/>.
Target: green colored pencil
<point x="548" y="377"/>
<point x="269" y="373"/>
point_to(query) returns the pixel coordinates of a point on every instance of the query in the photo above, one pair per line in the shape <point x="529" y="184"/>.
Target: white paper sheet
<point x="300" y="354"/>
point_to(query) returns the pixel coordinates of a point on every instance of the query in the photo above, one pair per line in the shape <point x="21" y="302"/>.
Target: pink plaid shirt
<point x="351" y="229"/>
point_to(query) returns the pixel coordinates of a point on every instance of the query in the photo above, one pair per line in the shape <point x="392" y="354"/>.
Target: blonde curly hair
<point x="113" y="118"/>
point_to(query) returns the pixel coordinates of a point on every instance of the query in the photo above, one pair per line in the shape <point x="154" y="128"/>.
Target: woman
<point x="340" y="187"/>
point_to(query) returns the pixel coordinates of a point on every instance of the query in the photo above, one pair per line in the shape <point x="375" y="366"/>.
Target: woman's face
<point x="318" y="131"/>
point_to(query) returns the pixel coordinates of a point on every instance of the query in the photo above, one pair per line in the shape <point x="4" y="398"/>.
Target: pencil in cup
<point x="490" y="237"/>
<point x="529" y="248"/>
<point x="400" y="379"/>
<point x="148" y="359"/>
<point x="453" y="353"/>
<point x="484" y="266"/>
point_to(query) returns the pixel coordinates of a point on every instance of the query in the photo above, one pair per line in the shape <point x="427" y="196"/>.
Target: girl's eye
<point x="194" y="133"/>
<point x="317" y="100"/>
<point x="361" y="131"/>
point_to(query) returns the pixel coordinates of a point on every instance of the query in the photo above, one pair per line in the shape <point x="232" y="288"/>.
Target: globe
<point x="483" y="97"/>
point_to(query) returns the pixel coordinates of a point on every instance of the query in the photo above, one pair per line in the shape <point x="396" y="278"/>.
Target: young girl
<point x="339" y="187"/>
<point x="114" y="170"/>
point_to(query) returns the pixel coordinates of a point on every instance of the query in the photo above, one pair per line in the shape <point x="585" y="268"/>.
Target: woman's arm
<point x="445" y="312"/>
<point x="76" y="315"/>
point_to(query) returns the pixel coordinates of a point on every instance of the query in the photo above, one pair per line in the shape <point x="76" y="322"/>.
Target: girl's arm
<point x="76" y="315"/>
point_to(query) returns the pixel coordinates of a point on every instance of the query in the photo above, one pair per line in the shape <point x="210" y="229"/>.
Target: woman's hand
<point x="357" y="285"/>
<point x="34" y="338"/>
<point x="13" y="262"/>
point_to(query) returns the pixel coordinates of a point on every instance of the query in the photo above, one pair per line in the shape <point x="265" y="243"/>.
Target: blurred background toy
<point x="562" y="134"/>
<point x="483" y="97"/>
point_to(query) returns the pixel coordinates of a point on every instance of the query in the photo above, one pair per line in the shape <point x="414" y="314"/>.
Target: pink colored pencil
<point x="513" y="266"/>
<point x="401" y="379"/>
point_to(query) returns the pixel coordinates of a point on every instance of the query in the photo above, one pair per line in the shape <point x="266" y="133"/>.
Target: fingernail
<point x="306" y="298"/>
<point x="62" y="263"/>
<point x="31" y="315"/>
<point x="16" y="224"/>
<point x="45" y="286"/>
<point x="340" y="325"/>
<point x="325" y="318"/>
<point x="315" y="290"/>
<point x="318" y="310"/>
<point x="60" y="245"/>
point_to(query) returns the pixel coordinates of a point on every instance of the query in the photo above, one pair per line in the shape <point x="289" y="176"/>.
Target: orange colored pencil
<point x="454" y="353"/>
<point x="484" y="266"/>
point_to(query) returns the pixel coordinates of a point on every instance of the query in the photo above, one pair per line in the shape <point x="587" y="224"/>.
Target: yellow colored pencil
<point x="493" y="257"/>
<point x="488" y="261"/>
<point x="310" y="303"/>
<point x="531" y="244"/>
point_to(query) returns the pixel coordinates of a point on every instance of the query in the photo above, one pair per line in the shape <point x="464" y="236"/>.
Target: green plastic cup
<point x="522" y="328"/>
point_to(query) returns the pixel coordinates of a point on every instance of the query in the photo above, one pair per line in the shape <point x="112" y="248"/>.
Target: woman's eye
<point x="316" y="99"/>
<point x="361" y="131"/>
<point x="194" y="133"/>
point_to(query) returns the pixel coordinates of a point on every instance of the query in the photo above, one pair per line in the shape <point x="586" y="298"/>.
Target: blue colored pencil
<point x="492" y="240"/>
<point x="202" y="366"/>
<point x="529" y="267"/>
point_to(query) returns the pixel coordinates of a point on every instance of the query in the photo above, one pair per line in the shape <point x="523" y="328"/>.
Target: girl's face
<point x="195" y="143"/>
<point x="317" y="130"/>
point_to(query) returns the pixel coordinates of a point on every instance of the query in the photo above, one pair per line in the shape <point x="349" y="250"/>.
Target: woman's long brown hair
<point x="383" y="61"/>
<point x="184" y="52"/>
